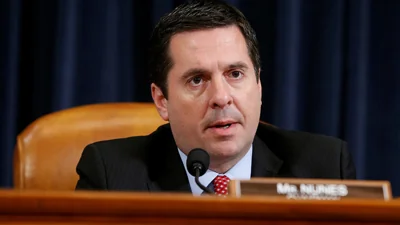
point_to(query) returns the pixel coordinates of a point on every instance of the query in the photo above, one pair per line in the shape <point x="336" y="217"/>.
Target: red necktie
<point x="221" y="185"/>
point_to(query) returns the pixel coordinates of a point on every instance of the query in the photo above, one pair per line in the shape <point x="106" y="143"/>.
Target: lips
<point x="222" y="124"/>
<point x="224" y="129"/>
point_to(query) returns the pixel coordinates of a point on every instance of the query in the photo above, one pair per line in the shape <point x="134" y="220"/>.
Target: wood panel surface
<point x="83" y="207"/>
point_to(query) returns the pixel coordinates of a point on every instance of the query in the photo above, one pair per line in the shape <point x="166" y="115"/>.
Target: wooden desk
<point x="36" y="207"/>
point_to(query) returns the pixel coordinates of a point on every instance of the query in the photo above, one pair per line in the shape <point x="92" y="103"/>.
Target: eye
<point x="196" y="81"/>
<point x="236" y="74"/>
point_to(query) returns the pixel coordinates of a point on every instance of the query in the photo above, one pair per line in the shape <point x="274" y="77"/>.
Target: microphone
<point x="197" y="164"/>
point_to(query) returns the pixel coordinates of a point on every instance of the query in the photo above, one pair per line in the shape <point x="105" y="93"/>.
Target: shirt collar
<point x="240" y="171"/>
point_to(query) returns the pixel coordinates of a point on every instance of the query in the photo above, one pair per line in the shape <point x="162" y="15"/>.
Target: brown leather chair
<point x="48" y="150"/>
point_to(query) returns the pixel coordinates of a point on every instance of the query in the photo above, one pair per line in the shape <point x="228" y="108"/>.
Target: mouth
<point x="222" y="124"/>
<point x="226" y="126"/>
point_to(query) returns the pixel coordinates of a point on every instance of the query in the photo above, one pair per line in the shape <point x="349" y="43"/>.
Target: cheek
<point x="248" y="101"/>
<point x="251" y="95"/>
<point x="183" y="109"/>
<point x="191" y="102"/>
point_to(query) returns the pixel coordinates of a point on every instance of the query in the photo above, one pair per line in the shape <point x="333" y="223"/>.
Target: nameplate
<point x="311" y="189"/>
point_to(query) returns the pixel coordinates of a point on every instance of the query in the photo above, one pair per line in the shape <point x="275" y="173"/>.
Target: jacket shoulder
<point x="118" y="164"/>
<point x="275" y="136"/>
<point x="121" y="147"/>
<point x="304" y="154"/>
<point x="134" y="146"/>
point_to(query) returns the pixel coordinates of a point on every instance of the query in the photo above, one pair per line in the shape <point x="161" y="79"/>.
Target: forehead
<point x="208" y="47"/>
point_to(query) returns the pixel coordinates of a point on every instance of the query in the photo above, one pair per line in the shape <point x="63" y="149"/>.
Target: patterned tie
<point x="221" y="185"/>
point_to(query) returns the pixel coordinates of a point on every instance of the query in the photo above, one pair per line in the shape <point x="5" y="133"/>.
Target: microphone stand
<point x="198" y="182"/>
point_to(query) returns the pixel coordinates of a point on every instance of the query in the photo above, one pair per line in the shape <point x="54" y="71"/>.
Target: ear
<point x="160" y="101"/>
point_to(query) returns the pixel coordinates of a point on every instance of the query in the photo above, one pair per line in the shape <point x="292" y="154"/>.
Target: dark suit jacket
<point x="152" y="163"/>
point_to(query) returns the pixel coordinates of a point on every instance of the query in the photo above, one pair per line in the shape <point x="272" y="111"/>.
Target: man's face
<point x="214" y="99"/>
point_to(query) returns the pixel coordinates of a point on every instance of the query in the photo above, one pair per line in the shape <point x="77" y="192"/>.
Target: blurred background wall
<point x="331" y="67"/>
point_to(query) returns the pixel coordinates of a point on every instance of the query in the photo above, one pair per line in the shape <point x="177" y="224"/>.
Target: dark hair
<point x="190" y="16"/>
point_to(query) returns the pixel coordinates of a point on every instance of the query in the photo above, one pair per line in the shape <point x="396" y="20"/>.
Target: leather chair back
<point x="48" y="150"/>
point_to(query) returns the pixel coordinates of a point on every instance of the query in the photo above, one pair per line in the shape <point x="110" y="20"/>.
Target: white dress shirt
<point x="241" y="171"/>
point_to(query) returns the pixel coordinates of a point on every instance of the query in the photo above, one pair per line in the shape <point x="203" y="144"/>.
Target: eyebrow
<point x="238" y="65"/>
<point x="196" y="71"/>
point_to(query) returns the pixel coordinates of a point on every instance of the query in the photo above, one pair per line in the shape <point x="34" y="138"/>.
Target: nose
<point x="220" y="94"/>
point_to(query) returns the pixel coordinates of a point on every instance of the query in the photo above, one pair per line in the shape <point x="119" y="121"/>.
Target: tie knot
<point x="221" y="185"/>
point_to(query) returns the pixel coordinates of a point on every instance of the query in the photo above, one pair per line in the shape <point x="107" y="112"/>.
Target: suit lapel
<point x="264" y="162"/>
<point x="166" y="169"/>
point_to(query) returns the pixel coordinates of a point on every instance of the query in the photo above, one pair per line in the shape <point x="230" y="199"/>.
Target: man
<point x="205" y="71"/>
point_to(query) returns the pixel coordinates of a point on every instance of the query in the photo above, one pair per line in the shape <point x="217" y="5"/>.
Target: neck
<point x="222" y="168"/>
<point x="223" y="164"/>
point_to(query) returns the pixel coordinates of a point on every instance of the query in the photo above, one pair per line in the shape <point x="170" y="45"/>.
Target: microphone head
<point x="197" y="158"/>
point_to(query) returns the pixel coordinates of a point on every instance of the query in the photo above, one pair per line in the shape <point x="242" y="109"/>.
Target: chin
<point x="224" y="150"/>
